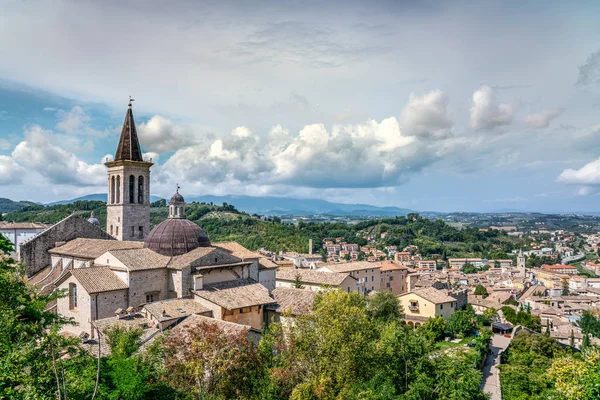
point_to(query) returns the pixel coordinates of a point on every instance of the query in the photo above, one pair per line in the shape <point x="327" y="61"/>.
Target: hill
<point x="269" y="205"/>
<point x="8" y="205"/>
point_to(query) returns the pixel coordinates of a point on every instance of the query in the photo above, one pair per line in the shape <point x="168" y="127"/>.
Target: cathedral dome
<point x="93" y="220"/>
<point x="174" y="237"/>
<point x="177" y="198"/>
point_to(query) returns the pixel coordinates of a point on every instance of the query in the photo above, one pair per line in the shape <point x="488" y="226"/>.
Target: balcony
<point x="413" y="307"/>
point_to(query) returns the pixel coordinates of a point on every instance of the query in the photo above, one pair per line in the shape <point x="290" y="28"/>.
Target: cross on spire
<point x="178" y="187"/>
<point x="130" y="100"/>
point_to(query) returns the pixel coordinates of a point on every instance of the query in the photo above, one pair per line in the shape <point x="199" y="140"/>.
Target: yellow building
<point x="422" y="304"/>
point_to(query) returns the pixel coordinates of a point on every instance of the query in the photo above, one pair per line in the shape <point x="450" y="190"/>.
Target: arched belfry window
<point x="118" y="188"/>
<point x="72" y="296"/>
<point x="141" y="189"/>
<point x="131" y="189"/>
<point x="112" y="190"/>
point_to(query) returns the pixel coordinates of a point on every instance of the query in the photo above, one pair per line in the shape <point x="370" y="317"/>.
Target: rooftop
<point x="97" y="279"/>
<point x="92" y="248"/>
<point x="140" y="259"/>
<point x="295" y="301"/>
<point x="167" y="310"/>
<point x="311" y="276"/>
<point x="22" y="225"/>
<point x="351" y="266"/>
<point x="433" y="295"/>
<point x="236" y="294"/>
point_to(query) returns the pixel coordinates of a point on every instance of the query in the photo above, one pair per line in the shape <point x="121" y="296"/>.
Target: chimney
<point x="198" y="282"/>
<point x="310" y="247"/>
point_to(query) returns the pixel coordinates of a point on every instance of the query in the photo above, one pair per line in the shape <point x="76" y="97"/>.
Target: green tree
<point x="461" y="322"/>
<point x="385" y="306"/>
<point x="480" y="290"/>
<point x="435" y="328"/>
<point x="298" y="282"/>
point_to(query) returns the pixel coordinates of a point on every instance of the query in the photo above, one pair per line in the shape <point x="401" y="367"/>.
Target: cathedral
<point x="167" y="273"/>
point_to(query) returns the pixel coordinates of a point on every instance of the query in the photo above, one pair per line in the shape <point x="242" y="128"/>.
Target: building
<point x="315" y="280"/>
<point x="20" y="232"/>
<point x="402" y="256"/>
<point x="128" y="205"/>
<point x="289" y="303"/>
<point x="367" y="274"/>
<point x="461" y="262"/>
<point x="422" y="304"/>
<point x="521" y="264"/>
<point x="560" y="269"/>
<point x="394" y="277"/>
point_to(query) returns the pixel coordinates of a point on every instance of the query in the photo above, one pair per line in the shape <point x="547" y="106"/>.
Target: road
<point x="491" y="374"/>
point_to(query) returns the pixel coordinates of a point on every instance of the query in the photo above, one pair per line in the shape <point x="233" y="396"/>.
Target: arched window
<point x="181" y="211"/>
<point x="118" y="189"/>
<point x="112" y="190"/>
<point x="141" y="189"/>
<point x="131" y="188"/>
<point x="72" y="296"/>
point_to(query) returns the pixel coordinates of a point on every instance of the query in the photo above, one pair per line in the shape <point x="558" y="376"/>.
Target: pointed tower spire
<point x="129" y="145"/>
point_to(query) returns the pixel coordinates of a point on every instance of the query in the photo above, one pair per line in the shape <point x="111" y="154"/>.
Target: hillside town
<point x="171" y="278"/>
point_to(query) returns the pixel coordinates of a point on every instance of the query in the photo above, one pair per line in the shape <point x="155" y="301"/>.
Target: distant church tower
<point x="521" y="264"/>
<point x="128" y="205"/>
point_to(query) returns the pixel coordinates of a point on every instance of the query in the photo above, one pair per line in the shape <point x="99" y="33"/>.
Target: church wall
<point x="267" y="278"/>
<point x="175" y="283"/>
<point x="217" y="311"/>
<point x="145" y="282"/>
<point x="34" y="253"/>
<point x="82" y="314"/>
<point x="222" y="275"/>
<point x="122" y="275"/>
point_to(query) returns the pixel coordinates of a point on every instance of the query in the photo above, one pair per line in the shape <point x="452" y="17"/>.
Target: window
<point x="131" y="188"/>
<point x="72" y="296"/>
<point x="141" y="189"/>
<point x="372" y="278"/>
<point x="141" y="231"/>
<point x="111" y="230"/>
<point x="245" y="310"/>
<point x="118" y="188"/>
<point x="451" y="305"/>
<point x="132" y="231"/>
<point x="150" y="298"/>
<point x="117" y="230"/>
<point x="112" y="190"/>
<point x="441" y="306"/>
<point x="348" y="290"/>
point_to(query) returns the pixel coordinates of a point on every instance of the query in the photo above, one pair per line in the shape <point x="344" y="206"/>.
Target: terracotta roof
<point x="433" y="295"/>
<point x="176" y="236"/>
<point x="174" y="309"/>
<point x="534" y="289"/>
<point x="350" y="266"/>
<point x="265" y="263"/>
<point x="98" y="279"/>
<point x="195" y="320"/>
<point x="237" y="250"/>
<point x="295" y="301"/>
<point x="391" y="266"/>
<point x="557" y="266"/>
<point x="92" y="248"/>
<point x="236" y="294"/>
<point x="311" y="276"/>
<point x="140" y="259"/>
<point x="184" y="260"/>
<point x="22" y="225"/>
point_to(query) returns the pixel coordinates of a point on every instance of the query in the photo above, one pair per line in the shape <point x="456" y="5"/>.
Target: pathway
<point x="491" y="374"/>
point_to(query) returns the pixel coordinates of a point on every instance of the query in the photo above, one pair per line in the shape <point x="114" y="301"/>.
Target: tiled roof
<point x="533" y="290"/>
<point x="174" y="309"/>
<point x="236" y="294"/>
<point x="129" y="145"/>
<point x="295" y="301"/>
<point x="265" y="263"/>
<point x="350" y="266"/>
<point x="391" y="266"/>
<point x="433" y="295"/>
<point x="184" y="260"/>
<point x="93" y="248"/>
<point x="140" y="259"/>
<point x="237" y="250"/>
<point x="98" y="279"/>
<point x="311" y="276"/>
<point x="196" y="320"/>
<point x="22" y="225"/>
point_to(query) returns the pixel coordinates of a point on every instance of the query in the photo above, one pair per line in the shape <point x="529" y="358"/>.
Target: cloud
<point x="4" y="144"/>
<point x="160" y="134"/>
<point x="427" y="115"/>
<point x="76" y="122"/>
<point x="585" y="191"/>
<point x="486" y="112"/>
<point x="589" y="72"/>
<point x="541" y="120"/>
<point x="38" y="154"/>
<point x="589" y="174"/>
<point x="10" y="171"/>
<point x="367" y="155"/>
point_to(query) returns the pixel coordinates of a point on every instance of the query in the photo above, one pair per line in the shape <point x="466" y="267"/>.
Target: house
<point x="560" y="269"/>
<point x="315" y="280"/>
<point x="394" y="277"/>
<point x="368" y="275"/>
<point x="402" y="256"/>
<point x="290" y="302"/>
<point x="461" y="262"/>
<point x="20" y="232"/>
<point x="427" y="264"/>
<point x="241" y="301"/>
<point x="166" y="313"/>
<point x="422" y="304"/>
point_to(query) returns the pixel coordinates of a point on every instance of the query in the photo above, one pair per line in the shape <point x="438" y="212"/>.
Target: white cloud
<point x="4" y="144"/>
<point x="427" y="115"/>
<point x="541" y="120"/>
<point x="10" y="171"/>
<point x="486" y="112"/>
<point x="160" y="134"/>
<point x="589" y="174"/>
<point x="585" y="191"/>
<point x="73" y="121"/>
<point x="37" y="153"/>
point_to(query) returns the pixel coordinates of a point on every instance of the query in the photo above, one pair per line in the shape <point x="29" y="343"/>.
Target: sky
<point x="433" y="106"/>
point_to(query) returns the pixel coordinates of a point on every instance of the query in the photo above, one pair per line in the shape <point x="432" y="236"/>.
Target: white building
<point x="20" y="232"/>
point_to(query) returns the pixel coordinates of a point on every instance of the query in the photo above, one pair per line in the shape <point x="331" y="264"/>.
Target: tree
<point x="298" y="282"/>
<point x="576" y="378"/>
<point x="461" y="322"/>
<point x="480" y="290"/>
<point x="435" y="328"/>
<point x="385" y="306"/>
<point x="565" y="288"/>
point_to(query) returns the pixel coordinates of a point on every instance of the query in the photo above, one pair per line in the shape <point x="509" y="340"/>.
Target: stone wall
<point x="152" y="281"/>
<point x="34" y="253"/>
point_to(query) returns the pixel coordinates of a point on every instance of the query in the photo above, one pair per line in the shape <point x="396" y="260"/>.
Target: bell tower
<point x="128" y="204"/>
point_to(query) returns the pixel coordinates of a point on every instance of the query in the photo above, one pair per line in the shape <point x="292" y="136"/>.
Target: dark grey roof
<point x="176" y="236"/>
<point x="129" y="145"/>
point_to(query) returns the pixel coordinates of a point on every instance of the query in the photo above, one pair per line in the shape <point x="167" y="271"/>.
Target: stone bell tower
<point x="128" y="205"/>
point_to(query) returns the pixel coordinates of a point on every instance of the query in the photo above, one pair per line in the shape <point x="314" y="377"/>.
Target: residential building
<point x="315" y="280"/>
<point x="20" y="232"/>
<point x="368" y="275"/>
<point x="422" y="304"/>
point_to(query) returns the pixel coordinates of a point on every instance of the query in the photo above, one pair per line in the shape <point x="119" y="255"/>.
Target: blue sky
<point x="458" y="106"/>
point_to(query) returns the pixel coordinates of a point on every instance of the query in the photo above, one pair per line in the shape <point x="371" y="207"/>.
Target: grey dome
<point x="93" y="220"/>
<point x="177" y="198"/>
<point x="174" y="237"/>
